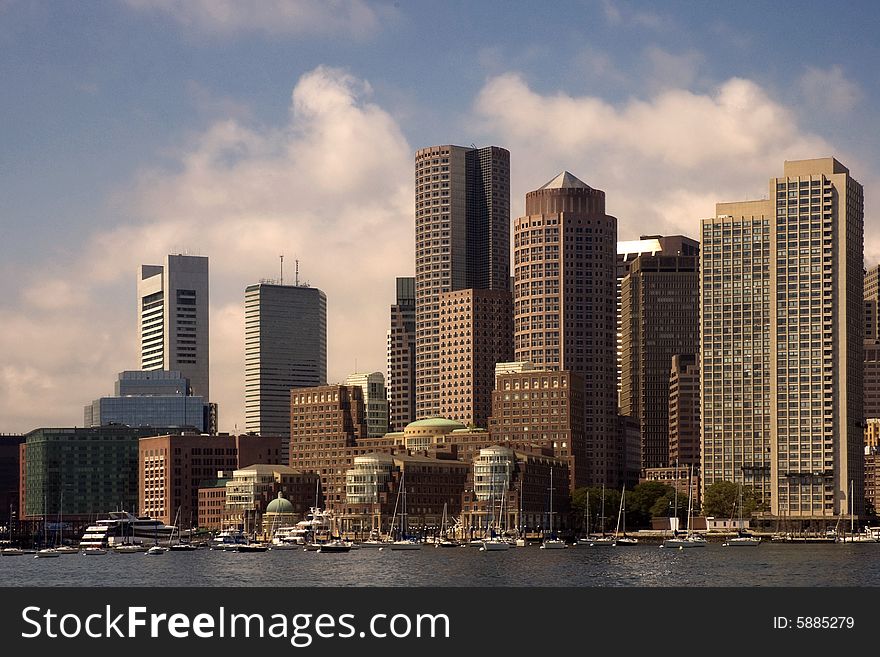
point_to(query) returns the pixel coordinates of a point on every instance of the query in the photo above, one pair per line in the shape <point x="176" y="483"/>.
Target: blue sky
<point x="240" y="130"/>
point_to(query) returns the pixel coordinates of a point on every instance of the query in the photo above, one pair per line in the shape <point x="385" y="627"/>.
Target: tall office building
<point x="872" y="342"/>
<point x="781" y="343"/>
<point x="659" y="318"/>
<point x="462" y="242"/>
<point x="285" y="347"/>
<point x="564" y="304"/>
<point x="684" y="411"/>
<point x="173" y="319"/>
<point x="648" y="245"/>
<point x="375" y="400"/>
<point x="872" y="303"/>
<point x="401" y="356"/>
<point x="476" y="332"/>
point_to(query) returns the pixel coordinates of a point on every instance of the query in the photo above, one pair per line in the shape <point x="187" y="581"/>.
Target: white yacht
<point x="122" y="528"/>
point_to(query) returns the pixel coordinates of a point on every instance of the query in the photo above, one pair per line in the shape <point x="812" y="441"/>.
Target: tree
<point x="579" y="500"/>
<point x="721" y="500"/>
<point x="647" y="500"/>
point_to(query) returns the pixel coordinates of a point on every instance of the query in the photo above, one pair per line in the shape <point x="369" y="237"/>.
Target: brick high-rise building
<point x="660" y="317"/>
<point x="564" y="305"/>
<point x="401" y="356"/>
<point x="462" y="242"/>
<point x="782" y="343"/>
<point x="476" y="332"/>
<point x="544" y="408"/>
<point x="684" y="411"/>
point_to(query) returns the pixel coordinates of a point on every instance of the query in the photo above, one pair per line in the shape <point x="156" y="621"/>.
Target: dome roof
<point x="439" y="422"/>
<point x="279" y="505"/>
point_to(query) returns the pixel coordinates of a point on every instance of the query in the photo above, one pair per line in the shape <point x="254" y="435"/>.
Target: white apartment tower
<point x="173" y="319"/>
<point x="781" y="343"/>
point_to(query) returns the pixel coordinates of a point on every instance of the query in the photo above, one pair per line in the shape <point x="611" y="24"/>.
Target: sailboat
<point x="444" y="540"/>
<point x="404" y="542"/>
<point x="521" y="537"/>
<point x="586" y="539"/>
<point x="60" y="547"/>
<point x="493" y="542"/>
<point x="48" y="552"/>
<point x="179" y="546"/>
<point x="690" y="539"/>
<point x="603" y="540"/>
<point x="551" y="542"/>
<point x="620" y="537"/>
<point x="742" y="538"/>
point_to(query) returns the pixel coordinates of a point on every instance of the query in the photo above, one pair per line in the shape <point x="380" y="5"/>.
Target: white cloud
<point x="276" y="17"/>
<point x="663" y="161"/>
<point x="332" y="187"/>
<point x="828" y="90"/>
<point x="669" y="70"/>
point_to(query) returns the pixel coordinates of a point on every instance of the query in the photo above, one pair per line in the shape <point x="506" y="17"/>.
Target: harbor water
<point x="770" y="564"/>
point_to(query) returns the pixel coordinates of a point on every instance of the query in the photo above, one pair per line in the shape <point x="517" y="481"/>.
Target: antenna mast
<point x="282" y="268"/>
<point x="297" y="272"/>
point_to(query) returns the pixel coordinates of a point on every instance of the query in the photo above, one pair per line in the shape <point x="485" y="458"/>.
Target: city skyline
<point x="242" y="168"/>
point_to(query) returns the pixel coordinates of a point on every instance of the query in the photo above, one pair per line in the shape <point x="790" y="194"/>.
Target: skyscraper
<point x="462" y="242"/>
<point x="401" y="356"/>
<point x="173" y="319"/>
<point x="285" y="341"/>
<point x="872" y="342"/>
<point x="564" y="306"/>
<point x="659" y="318"/>
<point x="781" y="342"/>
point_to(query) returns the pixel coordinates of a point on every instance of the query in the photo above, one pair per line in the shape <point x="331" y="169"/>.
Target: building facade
<point x="660" y="317"/>
<point x="782" y="343"/>
<point x="10" y="472"/>
<point x="171" y="468"/>
<point x="173" y="319"/>
<point x="401" y="356"/>
<point x="462" y="209"/>
<point x="476" y="332"/>
<point x="684" y="411"/>
<point x="156" y="398"/>
<point x="285" y="347"/>
<point x="375" y="401"/>
<point x="545" y="408"/>
<point x="564" y="304"/>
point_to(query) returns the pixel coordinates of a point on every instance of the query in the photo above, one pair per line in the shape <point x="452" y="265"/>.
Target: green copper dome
<point x="279" y="505"/>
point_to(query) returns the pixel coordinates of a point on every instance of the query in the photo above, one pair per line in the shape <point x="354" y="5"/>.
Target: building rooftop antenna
<point x="297" y="272"/>
<point x="282" y="268"/>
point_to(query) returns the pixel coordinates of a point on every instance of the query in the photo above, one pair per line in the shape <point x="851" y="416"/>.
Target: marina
<point x="642" y="565"/>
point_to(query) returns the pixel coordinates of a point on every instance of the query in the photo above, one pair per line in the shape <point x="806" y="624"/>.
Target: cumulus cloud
<point x="829" y="91"/>
<point x="663" y="161"/>
<point x="333" y="187"/>
<point x="276" y="17"/>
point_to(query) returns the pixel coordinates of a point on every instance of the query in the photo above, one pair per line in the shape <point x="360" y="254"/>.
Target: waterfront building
<point x="684" y="411"/>
<point x="285" y="348"/>
<point x="373" y="483"/>
<point x="10" y="471"/>
<point x="544" y="407"/>
<point x="170" y="468"/>
<point x="782" y="343"/>
<point x="519" y="480"/>
<point x="659" y="317"/>
<point x="462" y="208"/>
<point x="212" y="503"/>
<point x="564" y="306"/>
<point x="476" y="332"/>
<point x="401" y="356"/>
<point x="81" y="472"/>
<point x="260" y="486"/>
<point x="375" y="401"/>
<point x="172" y="313"/>
<point x="156" y="398"/>
<point x="681" y="477"/>
<point x="327" y="430"/>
